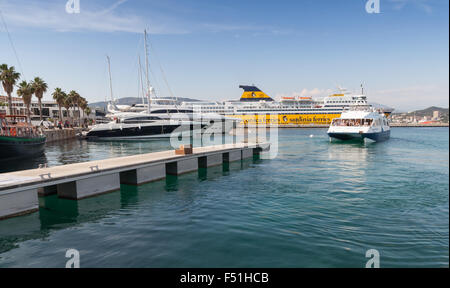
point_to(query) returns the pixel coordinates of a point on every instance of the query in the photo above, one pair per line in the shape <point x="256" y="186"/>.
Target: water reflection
<point x="75" y="151"/>
<point x="22" y="164"/>
<point x="56" y="213"/>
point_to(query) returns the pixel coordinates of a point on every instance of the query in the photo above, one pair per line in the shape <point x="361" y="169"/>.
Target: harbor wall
<point x="61" y="134"/>
<point x="419" y="125"/>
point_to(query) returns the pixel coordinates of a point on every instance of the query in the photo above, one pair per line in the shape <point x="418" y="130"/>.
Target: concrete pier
<point x="182" y="166"/>
<point x="18" y="203"/>
<point x="48" y="190"/>
<point x="19" y="190"/>
<point x="143" y="175"/>
<point x="232" y="156"/>
<point x="211" y="160"/>
<point x="247" y="153"/>
<point x="88" y="187"/>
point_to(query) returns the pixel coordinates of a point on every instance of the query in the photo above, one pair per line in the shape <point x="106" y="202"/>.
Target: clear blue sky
<point x="207" y="47"/>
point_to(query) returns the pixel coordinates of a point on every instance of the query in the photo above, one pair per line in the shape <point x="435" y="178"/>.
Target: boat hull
<point x="17" y="147"/>
<point x="141" y="133"/>
<point x="378" y="137"/>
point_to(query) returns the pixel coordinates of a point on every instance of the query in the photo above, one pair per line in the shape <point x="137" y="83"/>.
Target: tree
<point x="87" y="111"/>
<point x="68" y="104"/>
<point x="59" y="96"/>
<point x="73" y="99"/>
<point x="82" y="104"/>
<point x="9" y="78"/>
<point x="84" y="107"/>
<point x="26" y="91"/>
<point x="40" y="87"/>
<point x="76" y="102"/>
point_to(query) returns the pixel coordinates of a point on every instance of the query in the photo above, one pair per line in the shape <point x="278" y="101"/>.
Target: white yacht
<point x="360" y="122"/>
<point x="211" y="122"/>
<point x="158" y="119"/>
<point x="135" y="126"/>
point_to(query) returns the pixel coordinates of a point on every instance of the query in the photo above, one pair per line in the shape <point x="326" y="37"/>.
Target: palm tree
<point x="59" y="96"/>
<point x="40" y="87"/>
<point x="76" y="101"/>
<point x="68" y="104"/>
<point x="26" y="91"/>
<point x="84" y="105"/>
<point x="72" y="97"/>
<point x="79" y="102"/>
<point x="9" y="78"/>
<point x="87" y="111"/>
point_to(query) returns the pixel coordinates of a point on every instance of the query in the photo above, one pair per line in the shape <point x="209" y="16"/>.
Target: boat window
<point x="352" y="122"/>
<point x="141" y="119"/>
<point x="161" y="111"/>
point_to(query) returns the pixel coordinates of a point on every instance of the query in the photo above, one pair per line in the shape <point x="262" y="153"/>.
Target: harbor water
<point x="317" y="204"/>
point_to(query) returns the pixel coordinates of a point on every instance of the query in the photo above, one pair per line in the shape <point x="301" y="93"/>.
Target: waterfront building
<point x="50" y="109"/>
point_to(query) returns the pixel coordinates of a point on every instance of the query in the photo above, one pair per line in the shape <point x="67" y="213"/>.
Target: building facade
<point x="50" y="109"/>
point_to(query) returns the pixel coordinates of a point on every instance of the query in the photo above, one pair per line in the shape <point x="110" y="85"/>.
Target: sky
<point x="205" y="49"/>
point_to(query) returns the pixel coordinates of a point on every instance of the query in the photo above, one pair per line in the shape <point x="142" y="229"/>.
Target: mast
<point x="141" y="83"/>
<point x="110" y="78"/>
<point x="146" y="72"/>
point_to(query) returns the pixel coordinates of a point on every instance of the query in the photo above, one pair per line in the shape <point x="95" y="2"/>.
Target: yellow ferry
<point x="256" y="107"/>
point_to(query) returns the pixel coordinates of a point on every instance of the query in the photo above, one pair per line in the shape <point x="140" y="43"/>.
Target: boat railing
<point x="19" y="131"/>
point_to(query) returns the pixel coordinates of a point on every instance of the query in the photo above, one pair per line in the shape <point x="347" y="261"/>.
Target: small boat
<point x="18" y="138"/>
<point x="360" y="122"/>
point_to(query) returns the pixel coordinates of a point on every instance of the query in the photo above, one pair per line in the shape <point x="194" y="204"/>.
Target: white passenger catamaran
<point x="360" y="122"/>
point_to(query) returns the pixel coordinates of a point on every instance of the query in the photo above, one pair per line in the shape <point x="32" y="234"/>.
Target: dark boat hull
<point x="378" y="137"/>
<point x="17" y="147"/>
<point x="136" y="133"/>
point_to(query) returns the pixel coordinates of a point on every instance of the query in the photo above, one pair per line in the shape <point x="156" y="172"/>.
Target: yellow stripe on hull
<point x="286" y="119"/>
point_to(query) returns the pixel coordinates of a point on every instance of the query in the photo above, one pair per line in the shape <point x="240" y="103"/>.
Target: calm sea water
<point x="318" y="204"/>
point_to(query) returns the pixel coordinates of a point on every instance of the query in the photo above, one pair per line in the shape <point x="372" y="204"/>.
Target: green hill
<point x="429" y="111"/>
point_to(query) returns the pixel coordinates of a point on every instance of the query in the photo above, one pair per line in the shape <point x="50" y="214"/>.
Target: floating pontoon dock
<point x="19" y="190"/>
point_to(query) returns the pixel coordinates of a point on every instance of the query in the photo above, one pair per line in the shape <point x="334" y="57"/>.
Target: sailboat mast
<point x="110" y="78"/>
<point x="141" y="83"/>
<point x="146" y="72"/>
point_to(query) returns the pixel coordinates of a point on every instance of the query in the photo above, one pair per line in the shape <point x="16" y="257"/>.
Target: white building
<point x="50" y="109"/>
<point x="436" y="115"/>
